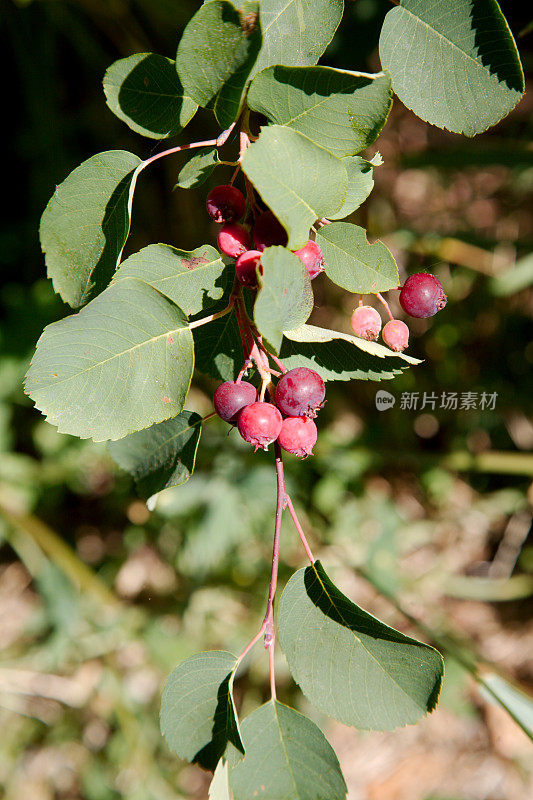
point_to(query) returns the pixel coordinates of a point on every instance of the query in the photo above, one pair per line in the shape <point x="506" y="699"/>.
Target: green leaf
<point x="85" y="225"/>
<point x="193" y="279"/>
<point x="300" y="181"/>
<point x="198" y="716"/>
<point x="296" y="32"/>
<point x="517" y="703"/>
<point x="215" y="56"/>
<point x="348" y="663"/>
<point x="338" y="110"/>
<point x="287" y="758"/>
<point x="355" y="264"/>
<point x="453" y="62"/>
<point x="120" y="364"/>
<point x="360" y="184"/>
<point x="218" y="349"/>
<point x="340" y="357"/>
<point x="162" y="455"/>
<point x="198" y="169"/>
<point x="145" y="92"/>
<point x="285" y="297"/>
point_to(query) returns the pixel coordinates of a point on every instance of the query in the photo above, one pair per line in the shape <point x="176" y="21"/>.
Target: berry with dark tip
<point x="267" y="231"/>
<point x="230" y="398"/>
<point x="233" y="240"/>
<point x="396" y="335"/>
<point x="300" y="393"/>
<point x="260" y="424"/>
<point x="422" y="295"/>
<point x="312" y="258"/>
<point x="225" y="203"/>
<point x="298" y="436"/>
<point x="366" y="323"/>
<point x="246" y="268"/>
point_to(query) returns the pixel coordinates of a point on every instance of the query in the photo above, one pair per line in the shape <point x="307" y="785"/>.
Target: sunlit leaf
<point x="198" y="169"/>
<point x="350" y="665"/>
<point x="122" y="363"/>
<point x="453" y="62"/>
<point x="85" y="225"/>
<point x="198" y="717"/>
<point x="355" y="264"/>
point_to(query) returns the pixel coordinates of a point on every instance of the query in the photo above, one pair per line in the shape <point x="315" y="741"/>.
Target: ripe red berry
<point x="246" y="268"/>
<point x="268" y="231"/>
<point x="366" y="323"/>
<point x="260" y="424"/>
<point x="396" y="335"/>
<point x="225" y="204"/>
<point x="233" y="240"/>
<point x="298" y="436"/>
<point x="230" y="398"/>
<point x="300" y="393"/>
<point x="422" y="295"/>
<point x="312" y="258"/>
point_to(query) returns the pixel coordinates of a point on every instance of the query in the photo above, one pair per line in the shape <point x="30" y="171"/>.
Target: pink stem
<point x="190" y="146"/>
<point x="382" y="300"/>
<point x="299" y="528"/>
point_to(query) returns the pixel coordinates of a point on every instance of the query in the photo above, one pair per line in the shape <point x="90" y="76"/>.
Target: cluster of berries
<point x="226" y="205"/>
<point x="289" y="419"/>
<point x="421" y="296"/>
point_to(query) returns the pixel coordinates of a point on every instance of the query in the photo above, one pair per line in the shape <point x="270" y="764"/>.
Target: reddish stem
<point x="382" y="300"/>
<point x="299" y="528"/>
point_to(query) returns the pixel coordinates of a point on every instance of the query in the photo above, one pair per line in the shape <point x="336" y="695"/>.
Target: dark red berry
<point x="366" y="323"/>
<point x="298" y="436"/>
<point x="246" y="268"/>
<point x="225" y="204"/>
<point x="300" y="393"/>
<point x="422" y="295"/>
<point x="268" y="232"/>
<point x="233" y="240"/>
<point x="260" y="424"/>
<point x="396" y="335"/>
<point x="312" y="258"/>
<point x="230" y="398"/>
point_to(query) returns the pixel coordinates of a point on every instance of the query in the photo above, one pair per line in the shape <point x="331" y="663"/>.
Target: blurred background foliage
<point x="99" y="598"/>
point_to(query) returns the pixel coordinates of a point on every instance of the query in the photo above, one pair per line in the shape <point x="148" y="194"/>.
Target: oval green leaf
<point x="122" y="363"/>
<point x="296" y="32"/>
<point x="193" y="279"/>
<point x="162" y="455"/>
<point x="85" y="225"/>
<point x="348" y="663"/>
<point x="198" y="716"/>
<point x="453" y="62"/>
<point x="338" y="356"/>
<point x="215" y="56"/>
<point x="198" y="169"/>
<point x="287" y="758"/>
<point x="355" y="264"/>
<point x="300" y="181"/>
<point x="285" y="298"/>
<point x="341" y="111"/>
<point x="145" y="92"/>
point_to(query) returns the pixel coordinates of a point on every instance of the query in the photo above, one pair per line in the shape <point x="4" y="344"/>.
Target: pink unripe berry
<point x="312" y="258"/>
<point x="225" y="203"/>
<point x="422" y="295"/>
<point x="366" y="323"/>
<point x="300" y="393"/>
<point x="230" y="398"/>
<point x="260" y="424"/>
<point x="298" y="436"/>
<point x="233" y="240"/>
<point x="246" y="268"/>
<point x="396" y="335"/>
<point x="268" y="232"/>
